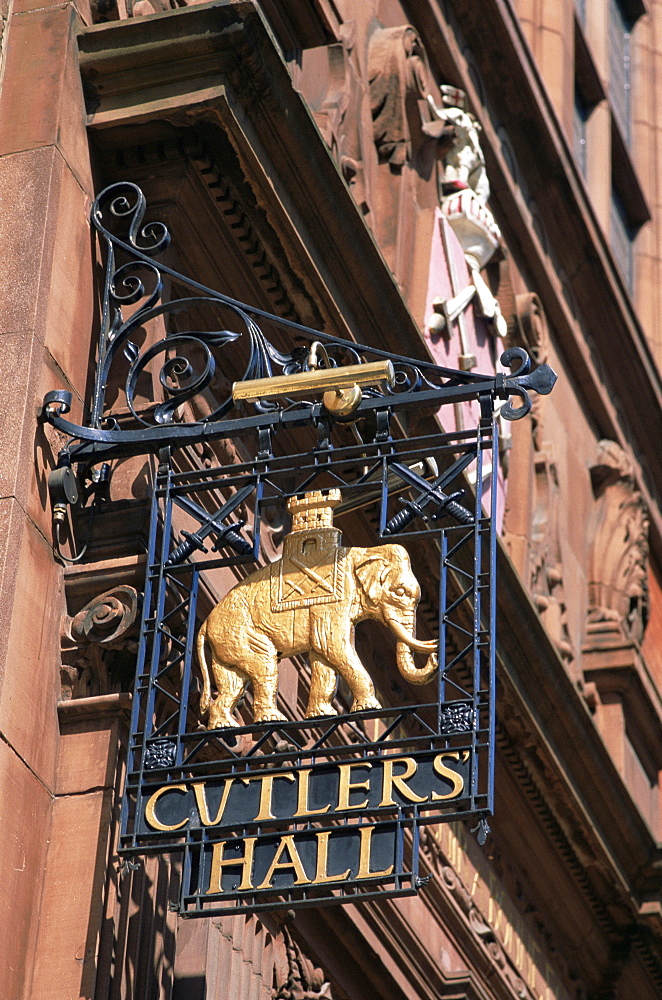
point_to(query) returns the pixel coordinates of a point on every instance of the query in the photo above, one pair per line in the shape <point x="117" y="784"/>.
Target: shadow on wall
<point x="189" y="988"/>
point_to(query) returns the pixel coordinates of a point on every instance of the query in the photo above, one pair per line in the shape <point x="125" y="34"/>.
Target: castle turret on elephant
<point x="309" y="602"/>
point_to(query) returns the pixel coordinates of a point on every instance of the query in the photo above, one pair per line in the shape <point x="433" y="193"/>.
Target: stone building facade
<point x="350" y="165"/>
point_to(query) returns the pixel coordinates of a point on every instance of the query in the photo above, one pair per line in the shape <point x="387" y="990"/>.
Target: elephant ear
<point x="371" y="574"/>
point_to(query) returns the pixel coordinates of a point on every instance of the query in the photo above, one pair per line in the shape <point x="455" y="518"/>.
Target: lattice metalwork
<point x="168" y="745"/>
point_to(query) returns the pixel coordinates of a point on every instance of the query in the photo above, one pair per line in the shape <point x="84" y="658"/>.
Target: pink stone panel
<point x="25" y="834"/>
<point x="41" y="48"/>
<point x="446" y="351"/>
<point x="65" y="956"/>
<point x="25" y="185"/>
<point x="31" y="683"/>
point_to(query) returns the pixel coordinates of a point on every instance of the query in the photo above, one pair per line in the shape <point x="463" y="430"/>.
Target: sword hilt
<point x="455" y="509"/>
<point x="227" y="536"/>
<point x="403" y="518"/>
<point x="234" y="540"/>
<point x="186" y="548"/>
<point x="411" y="510"/>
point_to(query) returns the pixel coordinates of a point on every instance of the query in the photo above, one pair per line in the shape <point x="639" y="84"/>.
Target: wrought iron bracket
<point x="192" y="357"/>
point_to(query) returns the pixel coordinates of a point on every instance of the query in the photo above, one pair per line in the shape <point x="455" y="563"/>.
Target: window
<point x="580" y="118"/>
<point x="621" y="237"/>
<point x="619" y="66"/>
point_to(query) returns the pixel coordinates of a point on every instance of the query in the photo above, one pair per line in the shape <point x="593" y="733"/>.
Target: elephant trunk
<point x="404" y="657"/>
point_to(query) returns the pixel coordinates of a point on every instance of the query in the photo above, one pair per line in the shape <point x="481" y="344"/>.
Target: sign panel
<point x="374" y="786"/>
<point x="285" y="811"/>
<point x="253" y="872"/>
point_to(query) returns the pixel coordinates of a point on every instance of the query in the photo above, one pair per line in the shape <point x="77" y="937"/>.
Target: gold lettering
<point x="150" y="808"/>
<point x="346" y="786"/>
<point x="445" y="772"/>
<point x="398" y="780"/>
<point x="364" y="855"/>
<point x="266" y="791"/>
<point x="286" y="843"/>
<point x="321" y="874"/>
<point x="218" y="863"/>
<point x="201" y="802"/>
<point x="303" y="809"/>
<point x="474" y="884"/>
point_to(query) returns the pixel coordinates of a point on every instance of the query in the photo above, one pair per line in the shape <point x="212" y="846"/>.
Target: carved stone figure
<point x="309" y="602"/>
<point x="464" y="163"/>
<point x="464" y="192"/>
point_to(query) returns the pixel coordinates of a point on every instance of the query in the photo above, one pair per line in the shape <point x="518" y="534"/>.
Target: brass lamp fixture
<point x="340" y="387"/>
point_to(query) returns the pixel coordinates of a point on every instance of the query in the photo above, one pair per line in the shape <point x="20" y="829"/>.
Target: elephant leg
<point x="359" y="682"/>
<point x="323" y="680"/>
<point x="339" y="652"/>
<point x="230" y="685"/>
<point x="263" y="672"/>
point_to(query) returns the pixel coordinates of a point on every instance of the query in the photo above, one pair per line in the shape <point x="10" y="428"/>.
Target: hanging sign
<point x="273" y="804"/>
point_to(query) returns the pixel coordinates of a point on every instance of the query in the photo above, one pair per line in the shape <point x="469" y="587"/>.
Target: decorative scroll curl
<point x="108" y="618"/>
<point x="100" y="644"/>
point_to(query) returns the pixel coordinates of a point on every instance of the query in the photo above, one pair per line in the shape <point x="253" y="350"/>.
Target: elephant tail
<point x="205" y="697"/>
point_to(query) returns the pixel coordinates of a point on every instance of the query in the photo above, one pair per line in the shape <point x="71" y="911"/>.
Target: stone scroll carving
<point x="398" y="77"/>
<point x="100" y="643"/>
<point x="618" y="556"/>
<point x="336" y="90"/>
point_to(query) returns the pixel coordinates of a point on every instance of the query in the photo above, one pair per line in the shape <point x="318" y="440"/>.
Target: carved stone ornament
<point x="108" y="618"/>
<point x="398" y="78"/>
<point x="618" y="556"/>
<point x="260" y="620"/>
<point x="337" y="92"/>
<point x="99" y="644"/>
<point x="296" y="977"/>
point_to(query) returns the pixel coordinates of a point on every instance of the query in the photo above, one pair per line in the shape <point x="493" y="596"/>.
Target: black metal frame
<point x="166" y="744"/>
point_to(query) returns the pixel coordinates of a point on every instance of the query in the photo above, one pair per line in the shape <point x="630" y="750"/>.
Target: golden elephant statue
<point x="309" y="602"/>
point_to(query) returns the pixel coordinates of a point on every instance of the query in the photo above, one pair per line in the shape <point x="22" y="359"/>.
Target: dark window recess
<point x="621" y="238"/>
<point x="619" y="66"/>
<point x="581" y="114"/>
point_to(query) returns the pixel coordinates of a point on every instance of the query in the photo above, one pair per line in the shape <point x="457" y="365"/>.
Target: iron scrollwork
<point x="193" y="356"/>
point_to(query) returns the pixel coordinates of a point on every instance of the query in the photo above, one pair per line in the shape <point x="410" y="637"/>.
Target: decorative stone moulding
<point x="397" y="72"/>
<point x="618" y="557"/>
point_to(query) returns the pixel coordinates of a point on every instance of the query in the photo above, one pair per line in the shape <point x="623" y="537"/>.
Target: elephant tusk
<point x="403" y="635"/>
